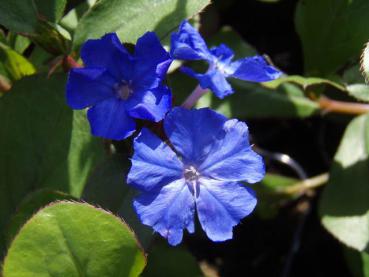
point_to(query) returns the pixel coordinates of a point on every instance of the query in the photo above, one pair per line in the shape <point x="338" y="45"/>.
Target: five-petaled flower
<point x="118" y="86"/>
<point x="199" y="169"/>
<point x="187" y="44"/>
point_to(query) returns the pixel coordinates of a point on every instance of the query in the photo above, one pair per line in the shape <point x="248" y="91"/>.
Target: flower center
<point x="123" y="90"/>
<point x="191" y="174"/>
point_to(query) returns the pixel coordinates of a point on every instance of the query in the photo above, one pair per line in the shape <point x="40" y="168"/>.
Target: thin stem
<point x="192" y="99"/>
<point x="330" y="105"/>
<point x="69" y="63"/>
<point x="307" y="184"/>
<point x="5" y="85"/>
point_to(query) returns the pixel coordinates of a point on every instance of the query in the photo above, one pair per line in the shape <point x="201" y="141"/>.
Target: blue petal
<point x="168" y="210"/>
<point x="192" y="132"/>
<point x="88" y="86"/>
<point x="150" y="104"/>
<point x="254" y="69"/>
<point x="220" y="206"/>
<point x="187" y="44"/>
<point x="222" y="53"/>
<point x="154" y="164"/>
<point x="213" y="80"/>
<point x="231" y="157"/>
<point x="151" y="62"/>
<point x="109" y="53"/>
<point x="109" y="119"/>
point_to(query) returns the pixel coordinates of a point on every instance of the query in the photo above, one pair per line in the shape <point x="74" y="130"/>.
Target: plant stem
<point x="307" y="184"/>
<point x="192" y="99"/>
<point x="330" y="105"/>
<point x="69" y="63"/>
<point x="5" y="85"/>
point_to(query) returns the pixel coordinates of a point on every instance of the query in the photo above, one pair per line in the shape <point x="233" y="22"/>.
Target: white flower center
<point x="191" y="174"/>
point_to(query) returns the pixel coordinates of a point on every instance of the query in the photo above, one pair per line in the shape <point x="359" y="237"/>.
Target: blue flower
<point x="187" y="44"/>
<point x="200" y="168"/>
<point x="119" y="87"/>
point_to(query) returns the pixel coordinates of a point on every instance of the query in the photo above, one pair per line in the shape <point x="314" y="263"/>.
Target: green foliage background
<point x="49" y="162"/>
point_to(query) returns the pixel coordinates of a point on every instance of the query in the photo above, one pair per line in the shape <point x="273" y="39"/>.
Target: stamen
<point x="123" y="91"/>
<point x="191" y="175"/>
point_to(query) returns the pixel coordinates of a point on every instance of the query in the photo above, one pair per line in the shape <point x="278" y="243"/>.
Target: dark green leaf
<point x="74" y="239"/>
<point x="107" y="188"/>
<point x="44" y="144"/>
<point x="234" y="41"/>
<point x="270" y="193"/>
<point x="130" y="19"/>
<point x="344" y="206"/>
<point x="23" y="16"/>
<point x="164" y="260"/>
<point x="358" y="262"/>
<point x="332" y="32"/>
<point x="30" y="205"/>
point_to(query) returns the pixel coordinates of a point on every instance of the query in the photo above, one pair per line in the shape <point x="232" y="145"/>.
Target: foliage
<point x="65" y="205"/>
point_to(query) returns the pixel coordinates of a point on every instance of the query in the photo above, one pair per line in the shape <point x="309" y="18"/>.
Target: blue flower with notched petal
<point x="187" y="44"/>
<point x="199" y="169"/>
<point x="118" y="86"/>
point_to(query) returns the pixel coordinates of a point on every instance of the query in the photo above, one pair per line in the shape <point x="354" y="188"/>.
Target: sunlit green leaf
<point x="130" y="19"/>
<point x="344" y="206"/>
<point x="365" y="62"/>
<point x="359" y="91"/>
<point x="15" y="64"/>
<point x="74" y="239"/>
<point x="304" y="82"/>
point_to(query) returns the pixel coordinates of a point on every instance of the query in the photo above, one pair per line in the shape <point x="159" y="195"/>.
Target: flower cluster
<point x="199" y="168"/>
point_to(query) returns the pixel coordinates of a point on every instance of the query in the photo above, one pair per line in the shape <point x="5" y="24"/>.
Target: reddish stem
<point x="330" y="105"/>
<point x="69" y="63"/>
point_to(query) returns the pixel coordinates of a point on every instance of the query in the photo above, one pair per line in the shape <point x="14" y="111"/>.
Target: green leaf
<point x="253" y="101"/>
<point x="332" y="32"/>
<point x="164" y="260"/>
<point x="36" y="19"/>
<point x="18" y="43"/>
<point x="234" y="41"/>
<point x="107" y="188"/>
<point x="270" y="194"/>
<point x="344" y="206"/>
<point x="304" y="82"/>
<point x="24" y="16"/>
<point x="359" y="91"/>
<point x="106" y="185"/>
<point x="44" y="144"/>
<point x="30" y="205"/>
<point x="365" y="62"/>
<point x="74" y="239"/>
<point x="52" y="10"/>
<point x="357" y="262"/>
<point x="249" y="100"/>
<point x="15" y="64"/>
<point x="130" y="19"/>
